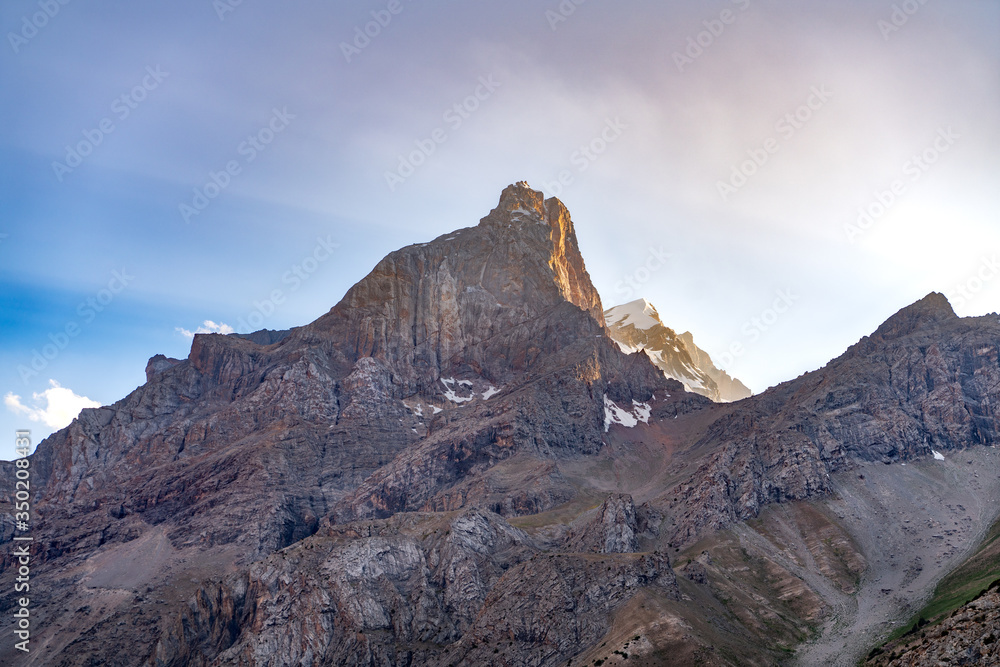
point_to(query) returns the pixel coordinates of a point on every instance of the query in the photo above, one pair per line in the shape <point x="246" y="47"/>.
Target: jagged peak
<point x="938" y="303"/>
<point x="159" y="363"/>
<point x="525" y="246"/>
<point x="931" y="309"/>
<point x="520" y="203"/>
<point x="521" y="207"/>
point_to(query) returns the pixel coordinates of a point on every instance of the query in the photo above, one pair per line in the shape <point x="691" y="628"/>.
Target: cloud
<point x="207" y="327"/>
<point x="61" y="406"/>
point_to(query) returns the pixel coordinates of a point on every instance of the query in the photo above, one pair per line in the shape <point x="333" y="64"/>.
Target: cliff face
<point x="460" y="346"/>
<point x="435" y="589"/>
<point x="455" y="303"/>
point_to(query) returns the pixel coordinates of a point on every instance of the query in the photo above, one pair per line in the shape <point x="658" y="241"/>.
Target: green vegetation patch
<point x="962" y="585"/>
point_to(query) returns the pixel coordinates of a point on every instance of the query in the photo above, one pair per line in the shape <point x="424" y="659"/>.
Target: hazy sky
<point x="164" y="164"/>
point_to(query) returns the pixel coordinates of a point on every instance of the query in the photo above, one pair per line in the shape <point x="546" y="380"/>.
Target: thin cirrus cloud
<point x="55" y="407"/>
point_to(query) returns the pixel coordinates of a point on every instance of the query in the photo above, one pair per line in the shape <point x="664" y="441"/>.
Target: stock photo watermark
<point x="967" y="290"/>
<point x="786" y="127"/>
<point x="899" y="17"/>
<point x="294" y="278"/>
<point x="224" y="7"/>
<point x="586" y="155"/>
<point x="562" y="12"/>
<point x="31" y="25"/>
<point x="122" y="107"/>
<point x="21" y="553"/>
<point x="248" y="149"/>
<point x="87" y="311"/>
<point x="264" y="308"/>
<point x="714" y="28"/>
<point x="912" y="171"/>
<point x="363" y="35"/>
<point x="631" y="283"/>
<point x="454" y="116"/>
<point x="753" y="329"/>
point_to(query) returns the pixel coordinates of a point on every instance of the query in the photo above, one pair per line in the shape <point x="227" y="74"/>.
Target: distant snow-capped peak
<point x="639" y="313"/>
<point x="636" y="326"/>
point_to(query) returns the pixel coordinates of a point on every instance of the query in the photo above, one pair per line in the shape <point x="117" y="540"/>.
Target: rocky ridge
<point x="925" y="381"/>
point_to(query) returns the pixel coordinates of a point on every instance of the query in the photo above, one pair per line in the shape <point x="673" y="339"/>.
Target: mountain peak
<point x="640" y="313"/>
<point x="937" y="304"/>
<point x="525" y="213"/>
<point x="429" y="300"/>
<point x="931" y="309"/>
<point x="519" y="203"/>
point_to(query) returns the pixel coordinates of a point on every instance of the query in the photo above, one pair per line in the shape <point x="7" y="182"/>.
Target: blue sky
<point x="738" y="138"/>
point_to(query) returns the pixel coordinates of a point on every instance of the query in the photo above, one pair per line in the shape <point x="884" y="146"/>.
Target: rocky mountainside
<point x="925" y="381"/>
<point x="450" y="377"/>
<point x="458" y="465"/>
<point x="971" y="636"/>
<point x="637" y="326"/>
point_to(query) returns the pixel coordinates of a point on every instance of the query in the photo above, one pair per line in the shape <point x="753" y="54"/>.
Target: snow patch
<point x="436" y="409"/>
<point x="520" y="212"/>
<point x="450" y="394"/>
<point x="639" y="313"/>
<point x="938" y="456"/>
<point x="473" y="388"/>
<point x="641" y="411"/>
<point x="615" y="415"/>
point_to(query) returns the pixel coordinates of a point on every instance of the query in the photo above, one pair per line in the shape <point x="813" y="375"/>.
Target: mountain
<point x="446" y="382"/>
<point x="458" y="465"/>
<point x="637" y="326"/>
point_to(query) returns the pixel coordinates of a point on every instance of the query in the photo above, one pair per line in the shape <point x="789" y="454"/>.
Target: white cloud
<point x="61" y="406"/>
<point x="208" y="326"/>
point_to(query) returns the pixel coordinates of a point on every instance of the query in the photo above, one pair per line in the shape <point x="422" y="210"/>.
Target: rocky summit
<point x="459" y="465"/>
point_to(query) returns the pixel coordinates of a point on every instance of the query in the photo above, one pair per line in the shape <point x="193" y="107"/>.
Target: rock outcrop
<point x="613" y="529"/>
<point x="158" y="364"/>
<point x="414" y="589"/>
